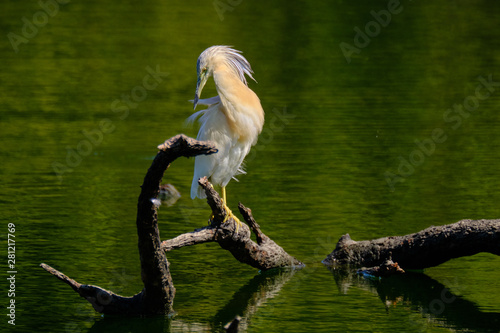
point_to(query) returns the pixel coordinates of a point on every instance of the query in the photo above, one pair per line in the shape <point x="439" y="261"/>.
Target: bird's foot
<point x="229" y="214"/>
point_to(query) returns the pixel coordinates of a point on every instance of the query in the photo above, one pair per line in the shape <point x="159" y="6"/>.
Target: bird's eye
<point x="204" y="70"/>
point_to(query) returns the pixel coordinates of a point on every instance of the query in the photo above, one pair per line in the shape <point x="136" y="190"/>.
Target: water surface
<point x="73" y="159"/>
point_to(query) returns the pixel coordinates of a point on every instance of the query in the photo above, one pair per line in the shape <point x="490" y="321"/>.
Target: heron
<point x="232" y="120"/>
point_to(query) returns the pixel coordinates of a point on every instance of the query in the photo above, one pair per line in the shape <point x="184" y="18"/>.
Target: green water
<point x="334" y="158"/>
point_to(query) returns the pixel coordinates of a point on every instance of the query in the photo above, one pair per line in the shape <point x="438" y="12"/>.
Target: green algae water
<point x="382" y="118"/>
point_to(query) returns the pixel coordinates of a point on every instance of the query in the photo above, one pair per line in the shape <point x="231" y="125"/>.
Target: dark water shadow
<point x="245" y="303"/>
<point x="247" y="300"/>
<point x="421" y="293"/>
<point x="160" y="324"/>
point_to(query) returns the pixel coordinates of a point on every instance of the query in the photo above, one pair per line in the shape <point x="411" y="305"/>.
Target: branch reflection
<point x="432" y="299"/>
<point x="247" y="300"/>
<point x="245" y="303"/>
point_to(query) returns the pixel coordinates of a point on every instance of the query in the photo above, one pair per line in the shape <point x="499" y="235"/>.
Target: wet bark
<point x="264" y="254"/>
<point x="103" y="301"/>
<point x="427" y="248"/>
<point x="158" y="293"/>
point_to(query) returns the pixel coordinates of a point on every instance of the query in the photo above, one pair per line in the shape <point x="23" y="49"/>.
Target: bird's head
<point x="204" y="71"/>
<point x="209" y="58"/>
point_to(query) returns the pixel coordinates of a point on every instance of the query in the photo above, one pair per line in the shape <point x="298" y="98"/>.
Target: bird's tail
<point x="196" y="190"/>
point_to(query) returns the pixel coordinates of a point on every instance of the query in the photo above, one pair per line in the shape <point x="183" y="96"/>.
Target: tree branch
<point x="263" y="255"/>
<point x="199" y="236"/>
<point x="102" y="300"/>
<point x="158" y="293"/>
<point x="427" y="248"/>
<point x="159" y="290"/>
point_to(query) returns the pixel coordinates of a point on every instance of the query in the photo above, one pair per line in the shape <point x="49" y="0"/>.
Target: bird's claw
<point x="229" y="214"/>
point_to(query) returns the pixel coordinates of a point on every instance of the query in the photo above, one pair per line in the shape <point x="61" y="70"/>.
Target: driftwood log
<point x="264" y="254"/>
<point x="158" y="293"/>
<point x="426" y="248"/>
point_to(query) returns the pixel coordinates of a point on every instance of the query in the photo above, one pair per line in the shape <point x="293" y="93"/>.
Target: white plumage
<point x="233" y="119"/>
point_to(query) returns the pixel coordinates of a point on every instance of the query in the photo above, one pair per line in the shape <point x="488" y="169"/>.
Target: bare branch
<point x="102" y="300"/>
<point x="263" y="255"/>
<point x="72" y="283"/>
<point x="158" y="294"/>
<point x="427" y="248"/>
<point x="198" y="236"/>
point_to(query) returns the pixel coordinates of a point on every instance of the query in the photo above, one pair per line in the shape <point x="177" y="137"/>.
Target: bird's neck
<point x="241" y="106"/>
<point x="228" y="84"/>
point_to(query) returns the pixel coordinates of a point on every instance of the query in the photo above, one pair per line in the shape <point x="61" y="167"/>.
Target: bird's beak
<point x="202" y="79"/>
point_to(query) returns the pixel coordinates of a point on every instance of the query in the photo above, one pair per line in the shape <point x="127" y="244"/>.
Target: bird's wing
<point x="207" y="101"/>
<point x="213" y="128"/>
<point x="241" y="105"/>
<point x="191" y="119"/>
<point x="203" y="166"/>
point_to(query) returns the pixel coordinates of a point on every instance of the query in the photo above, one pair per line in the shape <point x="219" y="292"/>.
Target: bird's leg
<point x="224" y="195"/>
<point x="211" y="215"/>
<point x="229" y="213"/>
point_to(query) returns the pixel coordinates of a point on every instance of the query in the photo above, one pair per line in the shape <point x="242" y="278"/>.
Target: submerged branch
<point x="102" y="300"/>
<point x="426" y="248"/>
